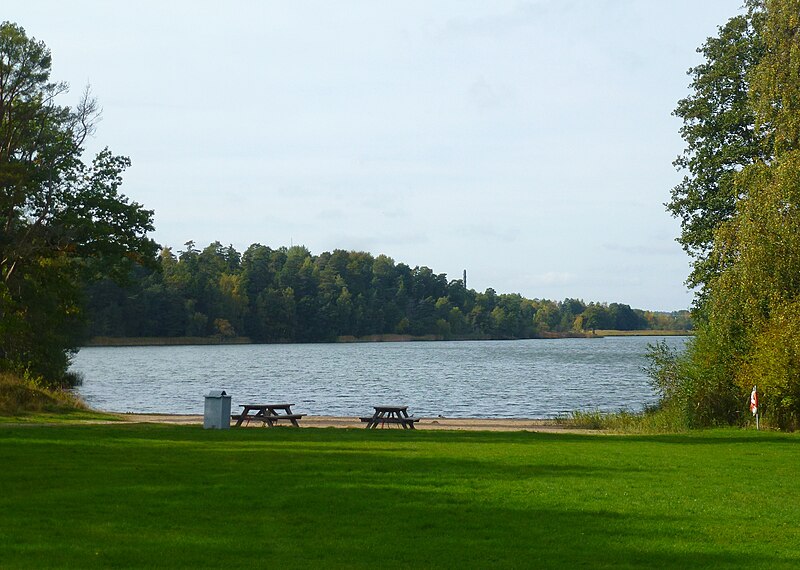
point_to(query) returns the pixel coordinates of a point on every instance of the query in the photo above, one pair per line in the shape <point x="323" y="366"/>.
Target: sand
<point x="461" y="424"/>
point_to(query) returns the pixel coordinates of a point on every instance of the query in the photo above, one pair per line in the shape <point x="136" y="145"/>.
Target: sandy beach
<point x="461" y="424"/>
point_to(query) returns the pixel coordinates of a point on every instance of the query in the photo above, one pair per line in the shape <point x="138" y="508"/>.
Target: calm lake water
<point x="504" y="379"/>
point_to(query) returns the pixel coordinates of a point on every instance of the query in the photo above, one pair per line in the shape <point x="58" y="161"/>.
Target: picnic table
<point x="390" y="415"/>
<point x="268" y="414"/>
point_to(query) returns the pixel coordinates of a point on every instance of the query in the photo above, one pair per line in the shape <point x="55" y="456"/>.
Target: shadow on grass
<point x="722" y="436"/>
<point x="172" y="496"/>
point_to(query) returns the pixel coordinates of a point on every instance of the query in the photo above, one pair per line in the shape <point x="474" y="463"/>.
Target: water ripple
<point x="503" y="379"/>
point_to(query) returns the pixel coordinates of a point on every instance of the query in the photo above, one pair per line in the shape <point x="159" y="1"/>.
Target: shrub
<point x="775" y="364"/>
<point x="23" y="395"/>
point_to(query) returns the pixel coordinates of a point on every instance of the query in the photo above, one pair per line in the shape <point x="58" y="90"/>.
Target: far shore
<point x="215" y="340"/>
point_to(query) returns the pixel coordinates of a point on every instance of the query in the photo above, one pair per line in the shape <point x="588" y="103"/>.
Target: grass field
<point x="176" y="496"/>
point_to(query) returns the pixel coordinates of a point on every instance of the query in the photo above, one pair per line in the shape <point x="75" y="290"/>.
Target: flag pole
<point x="754" y="405"/>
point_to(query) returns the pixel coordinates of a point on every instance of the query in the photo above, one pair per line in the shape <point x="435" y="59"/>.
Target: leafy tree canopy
<point x="752" y="305"/>
<point x="721" y="138"/>
<point x="61" y="220"/>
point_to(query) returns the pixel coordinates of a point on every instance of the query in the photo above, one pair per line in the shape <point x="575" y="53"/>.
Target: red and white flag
<point x="754" y="401"/>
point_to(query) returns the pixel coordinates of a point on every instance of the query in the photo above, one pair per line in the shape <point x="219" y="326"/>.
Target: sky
<point x="530" y="143"/>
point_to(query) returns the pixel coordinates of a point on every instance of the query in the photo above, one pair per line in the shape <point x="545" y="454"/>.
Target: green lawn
<point x="172" y="496"/>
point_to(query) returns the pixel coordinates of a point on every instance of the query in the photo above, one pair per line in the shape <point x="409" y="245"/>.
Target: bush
<point x="697" y="387"/>
<point x="774" y="364"/>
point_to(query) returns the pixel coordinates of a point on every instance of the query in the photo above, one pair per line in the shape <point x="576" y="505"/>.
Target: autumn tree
<point x="755" y="303"/>
<point x="753" y="307"/>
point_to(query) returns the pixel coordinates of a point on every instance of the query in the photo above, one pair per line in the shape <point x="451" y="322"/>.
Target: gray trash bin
<point x="218" y="410"/>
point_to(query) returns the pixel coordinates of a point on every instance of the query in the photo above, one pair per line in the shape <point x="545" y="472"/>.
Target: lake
<point x="539" y="378"/>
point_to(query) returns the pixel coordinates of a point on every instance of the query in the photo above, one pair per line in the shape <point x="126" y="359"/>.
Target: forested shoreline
<point x="291" y="295"/>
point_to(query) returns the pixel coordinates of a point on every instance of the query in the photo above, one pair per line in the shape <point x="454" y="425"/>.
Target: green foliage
<point x="774" y="363"/>
<point x="596" y="317"/>
<point x="718" y="127"/>
<point x="753" y="301"/>
<point x="694" y="386"/>
<point x="289" y="295"/>
<point x="62" y="222"/>
<point x="40" y="314"/>
<point x="775" y="92"/>
<point x="666" y="376"/>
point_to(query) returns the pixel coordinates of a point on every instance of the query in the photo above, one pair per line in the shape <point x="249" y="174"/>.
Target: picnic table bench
<point x="268" y="414"/>
<point x="390" y="415"/>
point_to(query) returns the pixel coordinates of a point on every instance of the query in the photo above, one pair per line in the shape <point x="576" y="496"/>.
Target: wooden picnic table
<point x="390" y="415"/>
<point x="268" y="414"/>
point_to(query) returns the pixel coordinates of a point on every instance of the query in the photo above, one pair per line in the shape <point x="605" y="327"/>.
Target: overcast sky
<point x="530" y="143"/>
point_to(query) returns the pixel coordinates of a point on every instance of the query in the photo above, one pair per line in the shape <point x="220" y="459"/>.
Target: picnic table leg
<point x="403" y="415"/>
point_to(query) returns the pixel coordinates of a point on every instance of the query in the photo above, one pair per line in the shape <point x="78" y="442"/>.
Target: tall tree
<point x="755" y="303"/>
<point x="718" y="127"/>
<point x="62" y="221"/>
<point x="751" y="335"/>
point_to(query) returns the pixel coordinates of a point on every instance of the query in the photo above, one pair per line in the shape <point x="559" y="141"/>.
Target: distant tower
<point x="465" y="279"/>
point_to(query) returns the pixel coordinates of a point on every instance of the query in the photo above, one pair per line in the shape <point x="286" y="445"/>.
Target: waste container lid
<point x="216" y="394"/>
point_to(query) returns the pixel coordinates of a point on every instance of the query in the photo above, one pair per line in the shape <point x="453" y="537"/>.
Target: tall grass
<point x="667" y="372"/>
<point x="20" y="396"/>
<point x="651" y="421"/>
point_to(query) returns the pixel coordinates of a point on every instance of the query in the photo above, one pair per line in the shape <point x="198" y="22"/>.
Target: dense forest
<point x="290" y="295"/>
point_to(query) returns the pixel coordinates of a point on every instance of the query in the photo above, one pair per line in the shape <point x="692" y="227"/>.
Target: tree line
<point x="290" y="295"/>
